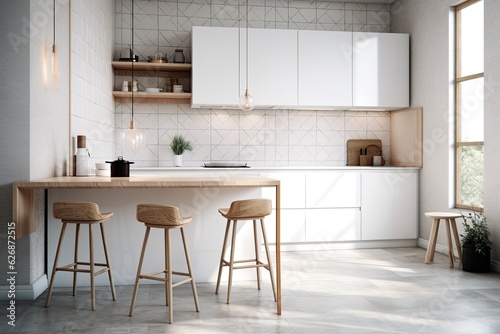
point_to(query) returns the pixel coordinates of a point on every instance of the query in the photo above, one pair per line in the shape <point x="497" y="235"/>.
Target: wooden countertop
<point x="150" y="181"/>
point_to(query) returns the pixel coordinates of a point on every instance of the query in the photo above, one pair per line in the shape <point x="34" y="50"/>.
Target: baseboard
<point x="25" y="292"/>
<point x="318" y="246"/>
<point x="494" y="265"/>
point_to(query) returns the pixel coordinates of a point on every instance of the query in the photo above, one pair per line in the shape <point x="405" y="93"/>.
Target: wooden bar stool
<point x="165" y="217"/>
<point x="252" y="209"/>
<point x="449" y="218"/>
<point x="73" y="212"/>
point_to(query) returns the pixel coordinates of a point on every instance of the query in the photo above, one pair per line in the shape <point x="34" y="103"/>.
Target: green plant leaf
<point x="179" y="145"/>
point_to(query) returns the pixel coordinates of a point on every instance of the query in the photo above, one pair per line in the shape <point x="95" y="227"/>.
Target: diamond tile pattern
<point x="262" y="137"/>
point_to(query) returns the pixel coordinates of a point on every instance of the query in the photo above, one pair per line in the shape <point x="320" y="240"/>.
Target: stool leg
<point x="231" y="262"/>
<point x="457" y="239"/>
<point x="54" y="268"/>
<point x="75" y="258"/>
<point x="429" y="256"/>
<point x="450" y="245"/>
<point x="138" y="276"/>
<point x="110" y="275"/>
<point x="167" y="301"/>
<point x="169" y="283"/>
<point x="92" y="268"/>
<point x="256" y="246"/>
<point x="221" y="263"/>
<point x="190" y="271"/>
<point x="269" y="262"/>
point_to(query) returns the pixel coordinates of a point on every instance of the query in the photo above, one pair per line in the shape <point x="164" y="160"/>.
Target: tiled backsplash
<point x="261" y="137"/>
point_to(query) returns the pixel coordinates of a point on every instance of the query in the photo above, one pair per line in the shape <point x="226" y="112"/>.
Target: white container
<point x="83" y="162"/>
<point x="102" y="166"/>
<point x="377" y="160"/>
<point x="177" y="89"/>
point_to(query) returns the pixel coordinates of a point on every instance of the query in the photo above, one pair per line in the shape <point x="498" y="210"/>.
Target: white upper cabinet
<point x="381" y="70"/>
<point x="215" y="69"/>
<point x="272" y="66"/>
<point x="325" y="69"/>
<point x="300" y="69"/>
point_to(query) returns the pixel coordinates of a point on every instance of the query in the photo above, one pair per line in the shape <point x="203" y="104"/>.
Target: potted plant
<point x="179" y="145"/>
<point x="476" y="243"/>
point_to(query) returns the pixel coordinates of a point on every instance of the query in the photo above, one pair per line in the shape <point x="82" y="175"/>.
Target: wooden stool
<point x="251" y="209"/>
<point x="449" y="218"/>
<point x="167" y="218"/>
<point x="81" y="213"/>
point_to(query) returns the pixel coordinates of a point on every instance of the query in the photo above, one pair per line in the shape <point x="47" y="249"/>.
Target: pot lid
<point x="120" y="161"/>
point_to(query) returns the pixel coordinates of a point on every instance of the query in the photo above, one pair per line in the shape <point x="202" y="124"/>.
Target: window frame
<point x="459" y="144"/>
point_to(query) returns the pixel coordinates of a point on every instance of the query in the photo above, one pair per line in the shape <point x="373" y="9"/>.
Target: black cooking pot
<point x="120" y="167"/>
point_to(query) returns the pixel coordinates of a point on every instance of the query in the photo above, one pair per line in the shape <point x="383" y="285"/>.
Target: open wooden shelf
<point x="146" y="97"/>
<point x="145" y="69"/>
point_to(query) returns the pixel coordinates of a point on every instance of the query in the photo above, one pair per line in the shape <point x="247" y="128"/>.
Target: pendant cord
<point x="132" y="60"/>
<point x="54" y="29"/>
<point x="246" y="61"/>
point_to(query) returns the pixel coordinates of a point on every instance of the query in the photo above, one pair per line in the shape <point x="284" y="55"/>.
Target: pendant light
<point x="132" y="138"/>
<point x="55" y="67"/>
<point x="246" y="100"/>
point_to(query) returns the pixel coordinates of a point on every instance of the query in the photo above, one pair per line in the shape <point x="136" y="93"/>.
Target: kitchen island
<point x="201" y="191"/>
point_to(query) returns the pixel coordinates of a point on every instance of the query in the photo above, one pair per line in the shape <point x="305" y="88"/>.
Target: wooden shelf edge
<point x="143" y="97"/>
<point x="145" y="66"/>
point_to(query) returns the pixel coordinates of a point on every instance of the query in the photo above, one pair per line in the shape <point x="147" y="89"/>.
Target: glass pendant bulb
<point x="246" y="102"/>
<point x="132" y="138"/>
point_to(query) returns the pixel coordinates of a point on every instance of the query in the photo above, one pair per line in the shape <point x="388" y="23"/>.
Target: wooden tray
<point x="372" y="146"/>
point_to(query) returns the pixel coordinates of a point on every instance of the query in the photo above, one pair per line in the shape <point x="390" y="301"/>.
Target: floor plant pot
<point x="177" y="160"/>
<point x="473" y="261"/>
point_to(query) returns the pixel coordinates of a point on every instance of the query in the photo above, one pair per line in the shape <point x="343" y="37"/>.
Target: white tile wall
<point x="262" y="137"/>
<point x="92" y="47"/>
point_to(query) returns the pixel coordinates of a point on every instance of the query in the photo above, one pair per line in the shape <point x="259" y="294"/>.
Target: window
<point x="469" y="105"/>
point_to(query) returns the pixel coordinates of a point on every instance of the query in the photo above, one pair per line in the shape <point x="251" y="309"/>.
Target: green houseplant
<point x="476" y="243"/>
<point x="179" y="145"/>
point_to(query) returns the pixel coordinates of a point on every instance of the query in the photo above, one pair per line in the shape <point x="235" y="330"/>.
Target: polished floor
<point x="341" y="291"/>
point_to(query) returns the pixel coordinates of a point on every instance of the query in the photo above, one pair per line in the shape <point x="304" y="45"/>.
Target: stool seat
<point x="88" y="213"/>
<point x="449" y="218"/>
<point x="443" y="215"/>
<point x="165" y="217"/>
<point x="251" y="209"/>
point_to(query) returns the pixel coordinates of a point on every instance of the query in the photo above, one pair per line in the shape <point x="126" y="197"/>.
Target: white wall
<point x="428" y="23"/>
<point x="492" y="120"/>
<point x="92" y="47"/>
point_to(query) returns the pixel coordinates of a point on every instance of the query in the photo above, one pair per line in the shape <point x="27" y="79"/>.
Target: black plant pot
<point x="473" y="261"/>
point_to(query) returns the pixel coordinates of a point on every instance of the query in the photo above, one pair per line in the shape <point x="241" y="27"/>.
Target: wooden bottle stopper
<point x="81" y="142"/>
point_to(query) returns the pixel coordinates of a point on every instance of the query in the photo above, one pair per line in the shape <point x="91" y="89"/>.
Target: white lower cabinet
<point x="333" y="225"/>
<point x="389" y="202"/>
<point x="293" y="226"/>
<point x="292" y="192"/>
<point x="345" y="206"/>
<point x="333" y="189"/>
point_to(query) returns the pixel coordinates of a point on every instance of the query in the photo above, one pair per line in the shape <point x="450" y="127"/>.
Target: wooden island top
<point x="150" y="181"/>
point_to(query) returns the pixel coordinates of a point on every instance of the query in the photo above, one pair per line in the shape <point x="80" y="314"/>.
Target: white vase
<point x="177" y="160"/>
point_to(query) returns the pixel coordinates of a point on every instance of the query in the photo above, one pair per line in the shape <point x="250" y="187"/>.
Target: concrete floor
<point x="340" y="291"/>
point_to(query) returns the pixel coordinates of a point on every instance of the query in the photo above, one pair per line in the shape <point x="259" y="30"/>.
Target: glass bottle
<point x="178" y="56"/>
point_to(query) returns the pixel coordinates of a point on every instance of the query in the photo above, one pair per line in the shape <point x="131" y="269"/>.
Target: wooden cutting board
<point x="372" y="146"/>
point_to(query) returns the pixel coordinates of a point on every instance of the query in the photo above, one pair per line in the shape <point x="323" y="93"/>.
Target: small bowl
<point x="152" y="90"/>
<point x="102" y="166"/>
<point x="102" y="172"/>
